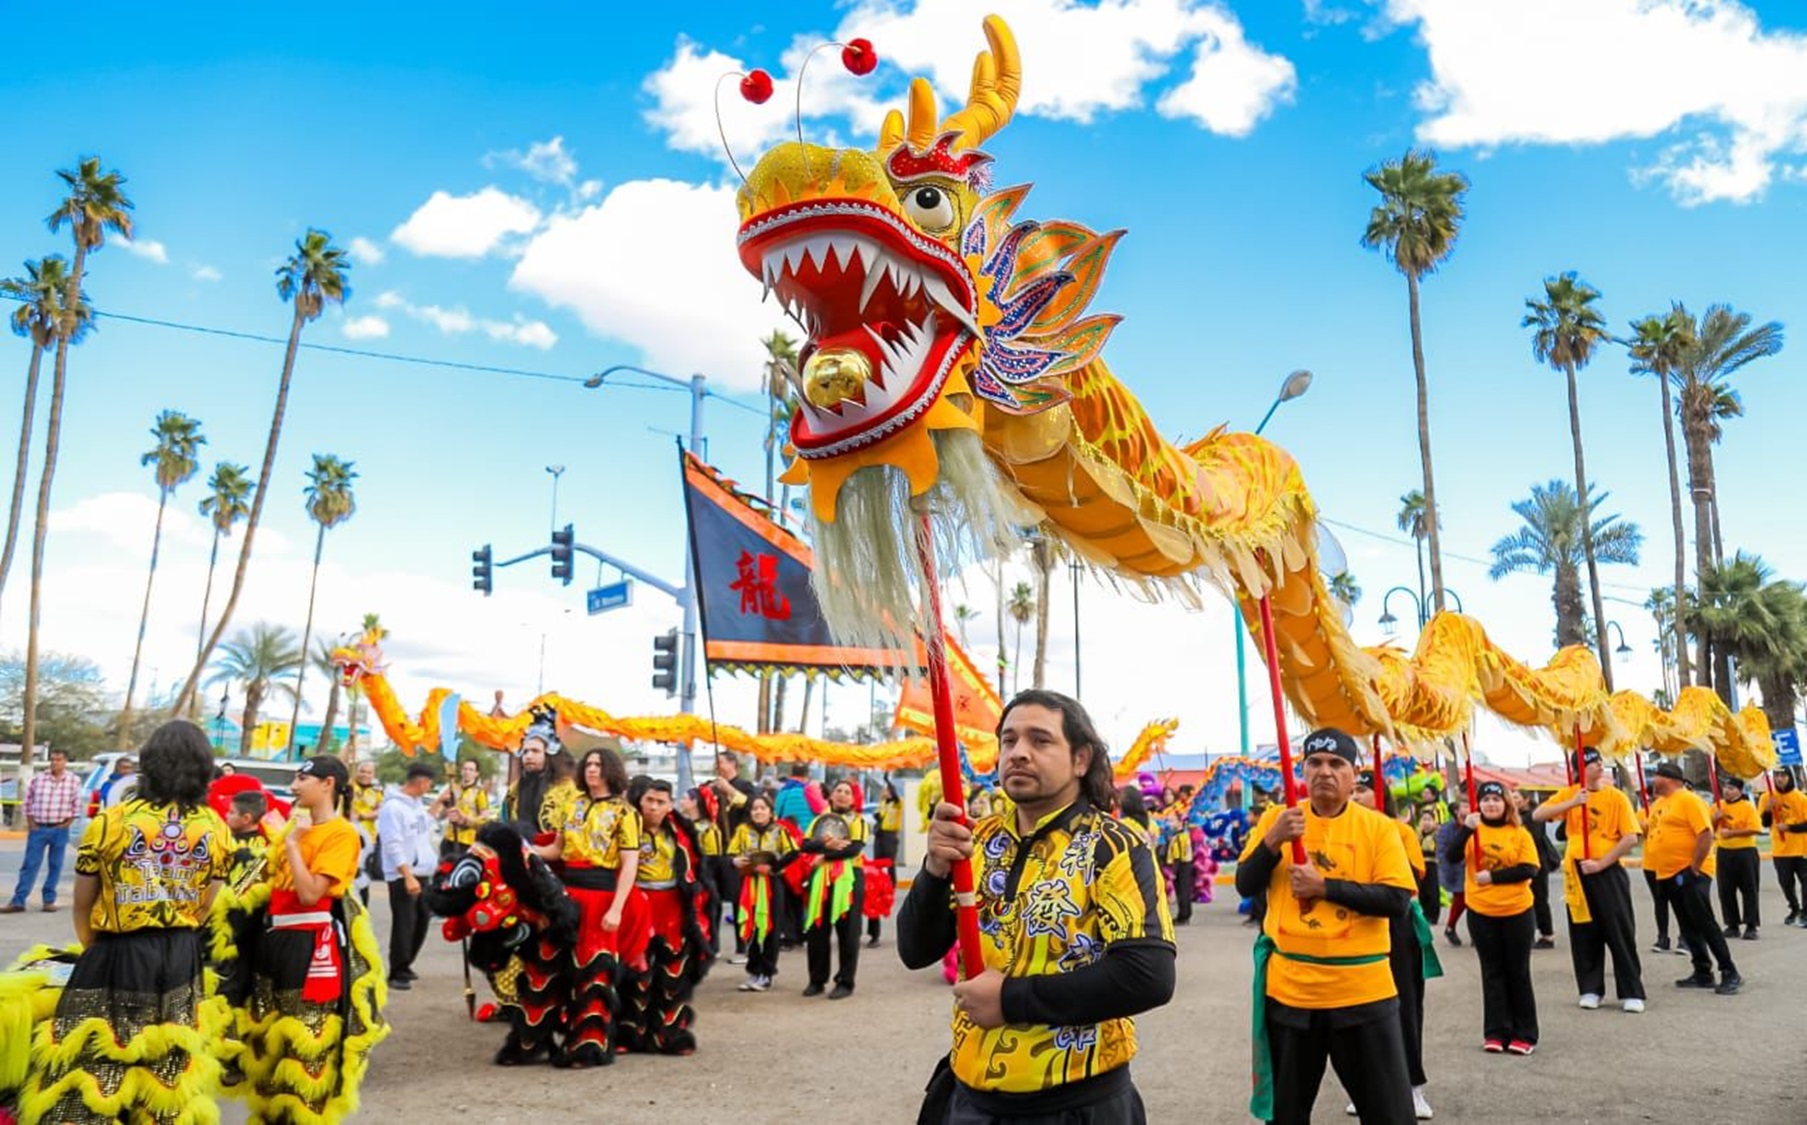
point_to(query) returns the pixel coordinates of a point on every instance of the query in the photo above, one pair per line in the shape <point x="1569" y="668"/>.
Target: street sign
<point x="1788" y="746"/>
<point x="613" y="596"/>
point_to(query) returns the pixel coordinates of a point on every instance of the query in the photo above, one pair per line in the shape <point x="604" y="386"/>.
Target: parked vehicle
<point x="277" y="777"/>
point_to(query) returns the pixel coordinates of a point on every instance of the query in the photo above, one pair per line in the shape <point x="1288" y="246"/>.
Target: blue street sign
<point x="1788" y="746"/>
<point x="613" y="596"/>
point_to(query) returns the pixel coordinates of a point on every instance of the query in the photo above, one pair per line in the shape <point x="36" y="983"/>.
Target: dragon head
<point x="365" y="658"/>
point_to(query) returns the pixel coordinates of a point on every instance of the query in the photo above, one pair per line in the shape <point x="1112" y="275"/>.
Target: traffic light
<point x="483" y="572"/>
<point x="561" y="553"/>
<point x="665" y="662"/>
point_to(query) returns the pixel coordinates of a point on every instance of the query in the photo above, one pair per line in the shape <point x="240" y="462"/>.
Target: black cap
<point x="1731" y="779"/>
<point x="1671" y="771"/>
<point x="1490" y="789"/>
<point x="1329" y="740"/>
<point x="1590" y="756"/>
<point x="1364" y="778"/>
<point x="324" y="766"/>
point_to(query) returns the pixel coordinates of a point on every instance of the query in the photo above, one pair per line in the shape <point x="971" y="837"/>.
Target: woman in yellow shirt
<point x="316" y="1004"/>
<point x="132" y="1039"/>
<point x="1736" y="827"/>
<point x="1497" y="883"/>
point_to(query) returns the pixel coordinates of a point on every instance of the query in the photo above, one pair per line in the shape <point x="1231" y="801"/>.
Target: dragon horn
<point x="996" y="82"/>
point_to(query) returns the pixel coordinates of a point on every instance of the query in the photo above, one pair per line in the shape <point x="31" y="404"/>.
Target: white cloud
<point x="365" y="252"/>
<point x="145" y="248"/>
<point x="1733" y="94"/>
<point x="365" y="328"/>
<point x="460" y="321"/>
<point x="1079" y="61"/>
<point x="466" y="226"/>
<point x="206" y="273"/>
<point x="653" y="264"/>
<point x="546" y="161"/>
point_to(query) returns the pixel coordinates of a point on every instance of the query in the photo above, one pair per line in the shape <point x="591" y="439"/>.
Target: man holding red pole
<point x="1324" y="990"/>
<point x="1602" y="827"/>
<point x="1073" y="925"/>
<point x="1784" y="812"/>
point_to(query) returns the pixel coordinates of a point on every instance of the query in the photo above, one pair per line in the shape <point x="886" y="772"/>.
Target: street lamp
<point x="1292" y="387"/>
<point x="557" y="471"/>
<point x="1623" y="649"/>
<point x="1421" y="605"/>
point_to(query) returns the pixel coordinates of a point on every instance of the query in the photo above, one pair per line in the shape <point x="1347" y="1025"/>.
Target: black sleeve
<point x="1517" y="873"/>
<point x="1801" y="827"/>
<point x="846" y="851"/>
<point x="925" y="922"/>
<point x="1373" y="899"/>
<point x="786" y="860"/>
<point x="1452" y="851"/>
<point x="1255" y="873"/>
<point x="1767" y="818"/>
<point x="1132" y="977"/>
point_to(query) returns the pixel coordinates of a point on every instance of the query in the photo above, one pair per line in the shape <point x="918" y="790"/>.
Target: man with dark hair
<point x="1074" y="928"/>
<point x="50" y="807"/>
<point x="1680" y="854"/>
<point x="405" y="828"/>
<point x="1324" y="989"/>
<point x="724" y="802"/>
<point x="1784" y="812"/>
<point x="1601" y="827"/>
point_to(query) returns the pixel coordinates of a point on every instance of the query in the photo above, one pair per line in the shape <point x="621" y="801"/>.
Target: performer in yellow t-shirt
<point x="1784" y="813"/>
<point x="1680" y="854"/>
<point x="1499" y="869"/>
<point x="1602" y="828"/>
<point x="1324" y="988"/>
<point x="1737" y="825"/>
<point x="467" y="807"/>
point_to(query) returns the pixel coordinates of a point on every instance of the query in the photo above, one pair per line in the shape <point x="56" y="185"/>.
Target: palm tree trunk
<point x="1434" y="534"/>
<point x="144" y="617"/>
<point x="765" y="702"/>
<point x="254" y="697"/>
<point x="24" y="465"/>
<point x="257" y="511"/>
<point x="809" y="689"/>
<point x="1694" y="437"/>
<point x="998" y="575"/>
<point x="52" y="436"/>
<point x="778" y="702"/>
<point x="1587" y="531"/>
<point x="1566" y="597"/>
<point x="1713" y="508"/>
<point x="1016" y="660"/>
<point x="332" y="715"/>
<point x="213" y="559"/>
<point x="1421" y="591"/>
<point x="1682" y="670"/>
<point x="1041" y="619"/>
<point x="307" y="634"/>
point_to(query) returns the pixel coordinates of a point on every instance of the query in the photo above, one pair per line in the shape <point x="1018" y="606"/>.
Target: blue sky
<point x="541" y="193"/>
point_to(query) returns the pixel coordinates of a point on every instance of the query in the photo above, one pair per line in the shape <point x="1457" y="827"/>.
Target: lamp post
<point x="1292" y="387"/>
<point x="1621" y="649"/>
<point x="1421" y="606"/>
<point x="557" y="471"/>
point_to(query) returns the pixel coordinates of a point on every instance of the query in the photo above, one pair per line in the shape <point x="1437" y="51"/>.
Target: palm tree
<point x="1345" y="589"/>
<point x="1657" y="346"/>
<point x="329" y="504"/>
<point x="1044" y="552"/>
<point x="1415" y="520"/>
<point x="1550" y="542"/>
<point x="94" y="207"/>
<point x="1723" y="342"/>
<point x="1757" y="622"/>
<point x="313" y="277"/>
<point x="261" y="659"/>
<point x="963" y="614"/>
<point x="1661" y="607"/>
<point x="1566" y="329"/>
<point x="39" y="317"/>
<point x="223" y="506"/>
<point x="780" y="378"/>
<point x="1779" y="666"/>
<point x="1021" y="607"/>
<point x="1415" y="225"/>
<point x="173" y="462"/>
<point x="322" y="660"/>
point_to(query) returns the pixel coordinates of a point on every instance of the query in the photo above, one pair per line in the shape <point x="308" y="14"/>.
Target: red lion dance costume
<point x="656" y="1015"/>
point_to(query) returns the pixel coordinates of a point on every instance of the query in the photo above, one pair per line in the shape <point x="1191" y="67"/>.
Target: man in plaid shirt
<point x="50" y="806"/>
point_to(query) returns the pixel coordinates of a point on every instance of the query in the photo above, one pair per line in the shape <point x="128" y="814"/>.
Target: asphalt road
<point x="780" y="1058"/>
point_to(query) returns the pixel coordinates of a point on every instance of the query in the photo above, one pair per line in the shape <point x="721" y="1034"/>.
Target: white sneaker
<point x="1420" y="1106"/>
<point x="762" y="984"/>
<point x="1633" y="1005"/>
<point x="737" y="959"/>
<point x="1590" y="1001"/>
<point x="747" y="985"/>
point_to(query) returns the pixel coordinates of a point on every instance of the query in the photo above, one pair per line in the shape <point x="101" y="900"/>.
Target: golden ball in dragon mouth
<point x="835" y="375"/>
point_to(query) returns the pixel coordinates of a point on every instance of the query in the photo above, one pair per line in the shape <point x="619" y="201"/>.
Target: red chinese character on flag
<point x="758" y="586"/>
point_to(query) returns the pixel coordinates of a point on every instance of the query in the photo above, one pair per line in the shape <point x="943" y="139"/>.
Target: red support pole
<point x="1587" y="844"/>
<point x="1474" y="803"/>
<point x="1643" y="789"/>
<point x="947" y="750"/>
<point x="1713" y="776"/>
<point x="1273" y="682"/>
<point x="1380" y="779"/>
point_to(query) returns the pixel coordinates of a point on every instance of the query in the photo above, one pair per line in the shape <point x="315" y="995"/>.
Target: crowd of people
<point x="225" y="945"/>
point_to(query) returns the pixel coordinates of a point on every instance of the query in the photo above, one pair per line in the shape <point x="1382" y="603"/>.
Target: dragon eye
<point x="930" y="208"/>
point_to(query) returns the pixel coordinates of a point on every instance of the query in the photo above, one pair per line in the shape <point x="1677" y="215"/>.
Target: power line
<point x="1397" y="541"/>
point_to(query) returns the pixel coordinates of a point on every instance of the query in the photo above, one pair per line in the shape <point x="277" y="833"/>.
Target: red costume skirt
<point x="665" y="915"/>
<point x="626" y="944"/>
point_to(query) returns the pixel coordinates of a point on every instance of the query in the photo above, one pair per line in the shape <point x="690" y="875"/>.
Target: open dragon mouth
<point x="888" y="311"/>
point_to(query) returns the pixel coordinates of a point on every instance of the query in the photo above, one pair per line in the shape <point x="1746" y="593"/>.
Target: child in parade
<point x="760" y="848"/>
<point x="656" y="1015"/>
<point x="833" y="899"/>
<point x="1499" y="869"/>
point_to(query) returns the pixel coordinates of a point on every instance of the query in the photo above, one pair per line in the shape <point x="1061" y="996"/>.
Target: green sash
<point x="1427" y="945"/>
<point x="1261" y="1102"/>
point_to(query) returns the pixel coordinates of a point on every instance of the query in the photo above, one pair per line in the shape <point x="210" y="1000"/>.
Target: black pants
<point x="1791" y="872"/>
<point x="1738" y="869"/>
<point x="1430" y="892"/>
<point x="1540" y="904"/>
<point x="1407" y="962"/>
<point x="1613" y="931"/>
<point x="1185" y="889"/>
<point x="1508" y="1003"/>
<point x="1690" y="895"/>
<point x="1368" y="1057"/>
<point x="1660" y="897"/>
<point x="762" y="956"/>
<point x="847" y="937"/>
<point x="408" y="922"/>
<point x="884" y="846"/>
<point x="1123" y="1108"/>
<point x="723" y="880"/>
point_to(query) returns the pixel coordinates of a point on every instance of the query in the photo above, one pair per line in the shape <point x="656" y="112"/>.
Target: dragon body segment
<point x="953" y="368"/>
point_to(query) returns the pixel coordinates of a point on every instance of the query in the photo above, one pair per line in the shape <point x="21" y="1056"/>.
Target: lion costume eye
<point x="930" y="208"/>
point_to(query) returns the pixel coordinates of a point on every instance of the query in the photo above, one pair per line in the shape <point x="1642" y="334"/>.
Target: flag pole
<point x="1637" y="757"/>
<point x="1587" y="844"/>
<point x="947" y="750"/>
<point x="1474" y="804"/>
<point x="1380" y="778"/>
<point x="1272" y="651"/>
